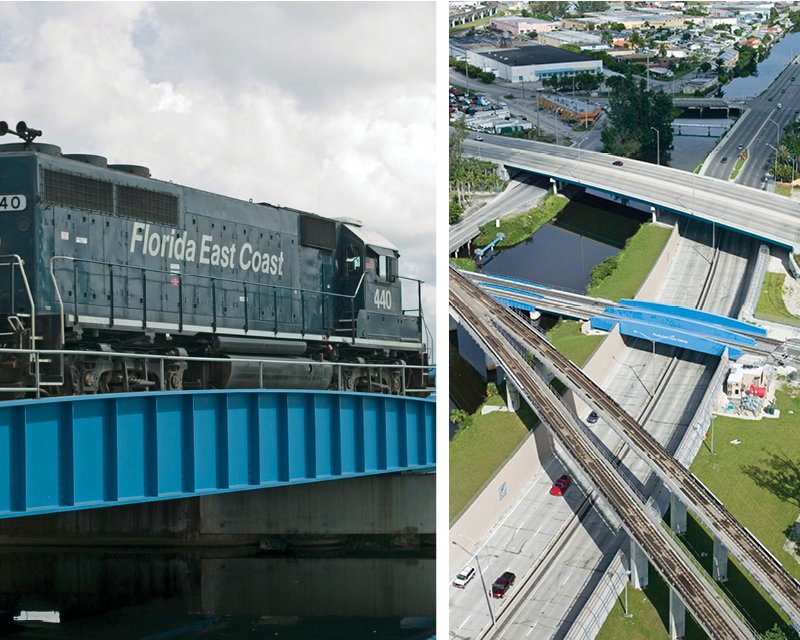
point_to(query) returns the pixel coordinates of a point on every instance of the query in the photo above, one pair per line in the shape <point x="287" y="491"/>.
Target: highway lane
<point x="523" y="192"/>
<point x="755" y="131"/>
<point x="753" y="212"/>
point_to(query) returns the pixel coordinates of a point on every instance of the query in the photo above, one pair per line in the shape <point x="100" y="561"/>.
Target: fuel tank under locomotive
<point x="247" y="364"/>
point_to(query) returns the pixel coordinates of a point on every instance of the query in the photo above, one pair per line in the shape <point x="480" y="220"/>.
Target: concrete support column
<point x="639" y="566"/>
<point x="512" y="396"/>
<point x="555" y="185"/>
<point x="720" y="561"/>
<point x="677" y="511"/>
<point x="677" y="616"/>
<point x="491" y="365"/>
<point x="793" y="265"/>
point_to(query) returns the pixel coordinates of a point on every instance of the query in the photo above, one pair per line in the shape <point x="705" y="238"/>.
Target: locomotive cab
<point x="370" y="279"/>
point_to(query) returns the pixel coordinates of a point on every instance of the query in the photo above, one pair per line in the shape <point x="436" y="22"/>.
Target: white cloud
<point x="327" y="107"/>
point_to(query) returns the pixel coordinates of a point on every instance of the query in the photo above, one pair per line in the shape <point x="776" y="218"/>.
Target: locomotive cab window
<point x="352" y="260"/>
<point x="383" y="262"/>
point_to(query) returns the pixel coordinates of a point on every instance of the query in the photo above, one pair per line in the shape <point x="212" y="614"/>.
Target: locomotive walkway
<point x="475" y="307"/>
<point x="65" y="454"/>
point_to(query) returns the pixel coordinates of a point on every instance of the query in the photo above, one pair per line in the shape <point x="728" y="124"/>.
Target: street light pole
<point x="658" y="146"/>
<point x="653" y="390"/>
<point x="482" y="546"/>
<point x="775" y="164"/>
<point x="483" y="584"/>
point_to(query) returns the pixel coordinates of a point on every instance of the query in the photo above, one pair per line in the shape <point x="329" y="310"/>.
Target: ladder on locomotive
<point x="22" y="323"/>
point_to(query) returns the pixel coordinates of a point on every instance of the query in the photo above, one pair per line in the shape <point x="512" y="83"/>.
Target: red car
<point x="617" y="163"/>
<point x="502" y="584"/>
<point x="560" y="486"/>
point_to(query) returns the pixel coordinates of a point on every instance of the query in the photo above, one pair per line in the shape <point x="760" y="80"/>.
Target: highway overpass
<point x="763" y="215"/>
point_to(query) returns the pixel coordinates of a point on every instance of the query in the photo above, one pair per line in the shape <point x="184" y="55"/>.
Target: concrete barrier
<point x="649" y="288"/>
<point x="499" y="493"/>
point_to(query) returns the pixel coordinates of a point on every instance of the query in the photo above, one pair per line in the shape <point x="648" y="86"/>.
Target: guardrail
<point x="38" y="355"/>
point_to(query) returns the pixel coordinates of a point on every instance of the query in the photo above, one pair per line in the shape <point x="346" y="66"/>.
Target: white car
<point x="464" y="576"/>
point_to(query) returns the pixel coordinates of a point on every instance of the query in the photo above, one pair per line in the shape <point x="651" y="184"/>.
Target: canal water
<point x="112" y="594"/>
<point x="560" y="254"/>
<point x="781" y="55"/>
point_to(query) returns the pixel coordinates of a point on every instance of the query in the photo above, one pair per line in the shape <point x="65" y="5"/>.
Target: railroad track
<point x="745" y="547"/>
<point x="667" y="555"/>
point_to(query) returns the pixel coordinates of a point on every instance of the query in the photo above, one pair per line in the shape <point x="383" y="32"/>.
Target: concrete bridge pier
<point x="677" y="616"/>
<point x="502" y="172"/>
<point x="639" y="566"/>
<point x="512" y="396"/>
<point x="720" y="568"/>
<point x="677" y="518"/>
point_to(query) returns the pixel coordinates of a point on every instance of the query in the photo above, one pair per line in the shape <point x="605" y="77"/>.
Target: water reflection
<point x="215" y="593"/>
<point x="562" y="253"/>
<point x="780" y="55"/>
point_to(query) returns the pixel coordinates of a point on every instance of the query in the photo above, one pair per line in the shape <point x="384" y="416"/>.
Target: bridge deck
<point x="83" y="452"/>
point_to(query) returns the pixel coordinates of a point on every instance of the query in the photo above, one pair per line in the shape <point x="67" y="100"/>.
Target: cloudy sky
<point x="326" y="107"/>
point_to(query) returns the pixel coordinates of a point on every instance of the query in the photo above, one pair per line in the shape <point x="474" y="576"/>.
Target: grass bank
<point x="770" y="302"/>
<point x="477" y="451"/>
<point x="566" y="336"/>
<point x="519" y="228"/>
<point x="465" y="264"/>
<point x="758" y="480"/>
<point x="633" y="263"/>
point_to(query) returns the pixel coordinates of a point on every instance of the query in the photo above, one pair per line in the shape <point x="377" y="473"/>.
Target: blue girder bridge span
<point x="63" y="454"/>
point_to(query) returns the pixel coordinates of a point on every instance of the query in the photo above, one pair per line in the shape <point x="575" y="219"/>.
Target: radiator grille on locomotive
<point x="79" y="192"/>
<point x="317" y="232"/>
<point x="89" y="194"/>
<point x="148" y="206"/>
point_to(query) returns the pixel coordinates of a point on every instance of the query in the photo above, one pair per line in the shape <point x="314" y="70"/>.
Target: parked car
<point x="561" y="485"/>
<point x="464" y="576"/>
<point x="502" y="584"/>
<point x="592" y="417"/>
<point x="617" y="163"/>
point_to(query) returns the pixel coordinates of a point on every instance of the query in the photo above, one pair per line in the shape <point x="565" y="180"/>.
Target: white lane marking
<point x="538" y="530"/>
<point x="531" y="629"/>
<point x="465" y="621"/>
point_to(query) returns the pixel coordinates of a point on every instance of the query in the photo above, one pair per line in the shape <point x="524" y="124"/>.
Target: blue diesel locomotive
<point x="99" y="259"/>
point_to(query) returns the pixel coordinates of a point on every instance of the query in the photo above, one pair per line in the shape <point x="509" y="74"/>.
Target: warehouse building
<point x="530" y="64"/>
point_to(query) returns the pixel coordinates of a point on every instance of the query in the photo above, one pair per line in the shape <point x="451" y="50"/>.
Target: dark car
<point x="769" y="99"/>
<point x="502" y="584"/>
<point x="783" y="90"/>
<point x="592" y="417"/>
<point x="561" y="485"/>
<point x="617" y="163"/>
<point x="724" y="160"/>
<point x="740" y="147"/>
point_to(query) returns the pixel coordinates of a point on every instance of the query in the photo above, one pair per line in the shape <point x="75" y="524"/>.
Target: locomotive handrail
<point x="180" y="277"/>
<point x="38" y="353"/>
<point x="21" y="264"/>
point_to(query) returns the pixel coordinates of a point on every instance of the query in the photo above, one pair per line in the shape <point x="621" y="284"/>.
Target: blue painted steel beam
<point x="516" y="305"/>
<point x="665" y="335"/>
<point x="63" y="454"/>
<point x="677" y="323"/>
<point x="697" y="315"/>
